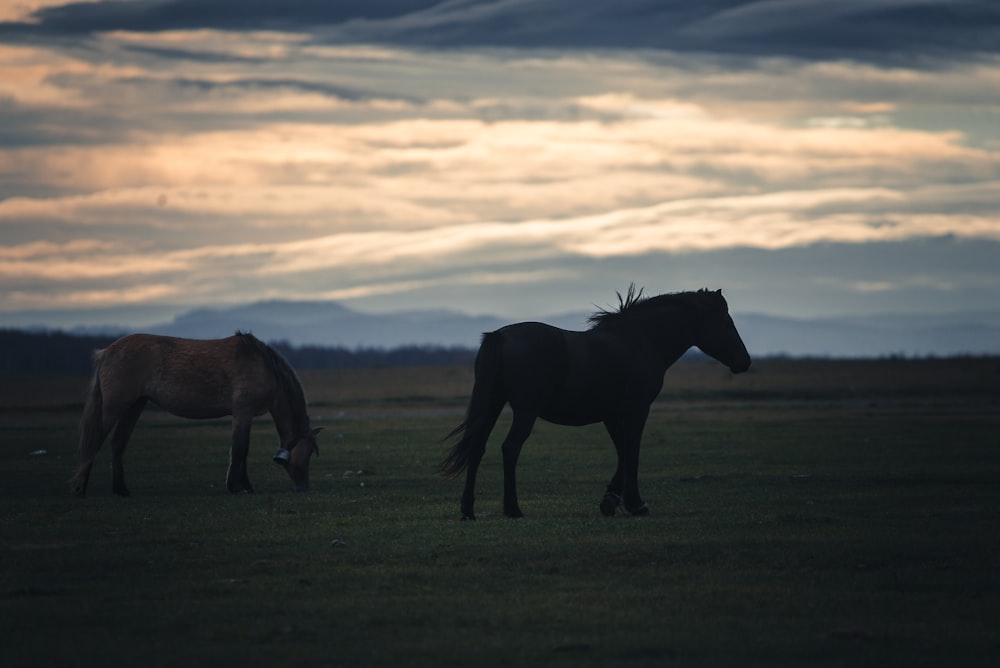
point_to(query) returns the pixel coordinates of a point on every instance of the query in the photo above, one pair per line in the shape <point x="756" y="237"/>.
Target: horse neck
<point x="670" y="332"/>
<point x="290" y="418"/>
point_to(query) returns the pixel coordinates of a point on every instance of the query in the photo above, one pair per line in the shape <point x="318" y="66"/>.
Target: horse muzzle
<point x="741" y="366"/>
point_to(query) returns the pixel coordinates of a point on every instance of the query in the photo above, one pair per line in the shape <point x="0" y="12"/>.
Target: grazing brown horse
<point x="610" y="373"/>
<point x="239" y="376"/>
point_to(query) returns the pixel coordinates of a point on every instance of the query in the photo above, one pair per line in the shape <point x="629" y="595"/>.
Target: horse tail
<point x="487" y="401"/>
<point x="92" y="431"/>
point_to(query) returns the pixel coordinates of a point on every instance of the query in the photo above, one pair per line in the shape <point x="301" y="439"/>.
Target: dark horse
<point x="239" y="376"/>
<point x="610" y="373"/>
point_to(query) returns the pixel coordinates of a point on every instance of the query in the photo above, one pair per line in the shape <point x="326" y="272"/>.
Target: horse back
<point x="570" y="377"/>
<point x="188" y="377"/>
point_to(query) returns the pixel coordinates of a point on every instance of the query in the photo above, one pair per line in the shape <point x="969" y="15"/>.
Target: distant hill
<point x="329" y="324"/>
<point x="873" y="336"/>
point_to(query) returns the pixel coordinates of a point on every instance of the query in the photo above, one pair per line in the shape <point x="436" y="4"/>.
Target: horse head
<point x="295" y="458"/>
<point x="716" y="333"/>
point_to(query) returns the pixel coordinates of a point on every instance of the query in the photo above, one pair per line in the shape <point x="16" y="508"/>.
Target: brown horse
<point x="239" y="376"/>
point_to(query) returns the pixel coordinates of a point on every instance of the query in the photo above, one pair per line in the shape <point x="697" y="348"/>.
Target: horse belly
<point x="197" y="395"/>
<point x="574" y="406"/>
<point x="570" y="418"/>
<point x="579" y="410"/>
<point x="193" y="410"/>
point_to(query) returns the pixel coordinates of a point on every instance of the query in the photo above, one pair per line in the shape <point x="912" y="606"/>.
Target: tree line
<point x="70" y="353"/>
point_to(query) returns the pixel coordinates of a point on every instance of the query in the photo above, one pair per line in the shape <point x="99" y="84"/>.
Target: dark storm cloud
<point x="256" y="84"/>
<point x="91" y="17"/>
<point x="871" y="30"/>
<point x="50" y="125"/>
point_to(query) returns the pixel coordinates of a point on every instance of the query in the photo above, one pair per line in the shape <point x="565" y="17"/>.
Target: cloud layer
<point x="503" y="156"/>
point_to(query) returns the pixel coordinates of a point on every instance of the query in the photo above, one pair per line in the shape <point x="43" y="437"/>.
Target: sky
<point x="513" y="157"/>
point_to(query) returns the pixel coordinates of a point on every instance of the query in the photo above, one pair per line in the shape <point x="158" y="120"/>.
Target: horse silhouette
<point x="610" y="373"/>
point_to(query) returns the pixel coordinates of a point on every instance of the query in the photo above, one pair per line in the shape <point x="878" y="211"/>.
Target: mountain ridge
<point x="329" y="323"/>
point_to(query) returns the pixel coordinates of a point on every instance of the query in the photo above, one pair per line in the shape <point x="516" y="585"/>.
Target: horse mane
<point x="627" y="303"/>
<point x="286" y="376"/>
<point x="634" y="303"/>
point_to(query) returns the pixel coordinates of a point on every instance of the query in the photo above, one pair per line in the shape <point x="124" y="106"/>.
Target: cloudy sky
<point x="514" y="157"/>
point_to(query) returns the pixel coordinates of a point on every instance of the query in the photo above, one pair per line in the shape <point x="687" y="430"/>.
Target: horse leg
<point x="236" y="479"/>
<point x="511" y="449"/>
<point x="92" y="436"/>
<point x="613" y="492"/>
<point x="630" y="473"/>
<point x="633" y="502"/>
<point x="474" y="441"/>
<point x="126" y="423"/>
<point x="627" y="434"/>
<point x="469" y="491"/>
<point x="95" y="425"/>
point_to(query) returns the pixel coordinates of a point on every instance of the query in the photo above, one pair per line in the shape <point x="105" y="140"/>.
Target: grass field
<point x="807" y="513"/>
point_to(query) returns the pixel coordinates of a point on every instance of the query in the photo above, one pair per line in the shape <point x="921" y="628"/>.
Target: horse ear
<point x="711" y="303"/>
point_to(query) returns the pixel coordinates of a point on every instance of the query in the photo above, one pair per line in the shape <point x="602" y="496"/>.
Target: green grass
<point x="788" y="529"/>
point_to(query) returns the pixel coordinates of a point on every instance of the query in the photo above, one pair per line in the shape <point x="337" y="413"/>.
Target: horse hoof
<point x="641" y="511"/>
<point x="515" y="514"/>
<point x="468" y="517"/>
<point x="610" y="503"/>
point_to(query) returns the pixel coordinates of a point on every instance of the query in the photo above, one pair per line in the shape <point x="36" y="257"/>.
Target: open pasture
<point x="806" y="513"/>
